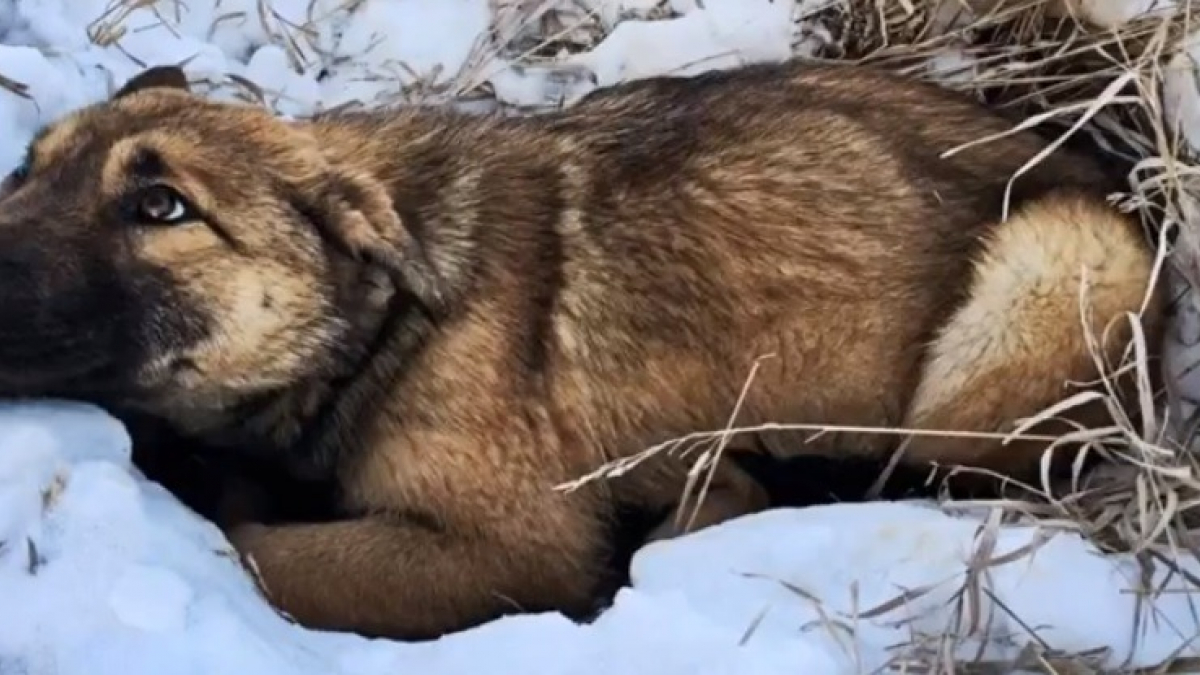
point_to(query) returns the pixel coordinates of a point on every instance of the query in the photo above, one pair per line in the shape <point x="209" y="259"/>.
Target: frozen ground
<point x="104" y="573"/>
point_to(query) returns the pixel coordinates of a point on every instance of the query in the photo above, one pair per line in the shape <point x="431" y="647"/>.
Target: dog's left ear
<point x="357" y="214"/>
<point x="155" y="77"/>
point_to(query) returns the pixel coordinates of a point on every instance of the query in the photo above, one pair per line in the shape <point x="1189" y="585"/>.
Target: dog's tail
<point x="1062" y="266"/>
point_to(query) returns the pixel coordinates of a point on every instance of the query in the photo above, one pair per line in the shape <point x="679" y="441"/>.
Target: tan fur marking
<point x="1020" y="341"/>
<point x="113" y="177"/>
<point x="60" y="138"/>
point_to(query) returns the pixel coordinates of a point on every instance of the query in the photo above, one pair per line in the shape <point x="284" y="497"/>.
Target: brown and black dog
<point x="432" y="319"/>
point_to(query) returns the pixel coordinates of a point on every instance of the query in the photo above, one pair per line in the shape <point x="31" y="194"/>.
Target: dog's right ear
<point x="155" y="77"/>
<point x="357" y="214"/>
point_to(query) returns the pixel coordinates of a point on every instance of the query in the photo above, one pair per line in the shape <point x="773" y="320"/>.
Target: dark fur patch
<point x="155" y="77"/>
<point x="147" y="165"/>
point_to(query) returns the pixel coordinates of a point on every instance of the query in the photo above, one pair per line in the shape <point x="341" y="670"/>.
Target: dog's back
<point x="812" y="214"/>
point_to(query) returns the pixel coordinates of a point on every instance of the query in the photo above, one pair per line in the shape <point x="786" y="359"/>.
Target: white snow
<point x="1181" y="92"/>
<point x="103" y="572"/>
<point x="724" y="34"/>
<point x="128" y="581"/>
<point x="1113" y="13"/>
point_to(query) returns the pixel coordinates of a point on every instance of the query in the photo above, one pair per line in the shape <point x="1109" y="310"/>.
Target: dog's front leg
<point x="391" y="577"/>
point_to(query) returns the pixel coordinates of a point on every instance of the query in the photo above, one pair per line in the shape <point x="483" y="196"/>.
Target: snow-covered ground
<point x="102" y="572"/>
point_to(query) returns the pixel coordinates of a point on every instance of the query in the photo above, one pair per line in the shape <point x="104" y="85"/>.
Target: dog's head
<point x="162" y="244"/>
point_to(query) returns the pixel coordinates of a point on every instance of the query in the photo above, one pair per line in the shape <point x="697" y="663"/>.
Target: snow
<point x="1181" y="92"/>
<point x="1114" y="13"/>
<point x="725" y="34"/>
<point x="104" y="572"/>
<point x="128" y="581"/>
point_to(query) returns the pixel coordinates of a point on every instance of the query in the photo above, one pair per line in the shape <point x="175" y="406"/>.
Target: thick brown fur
<point x="432" y="319"/>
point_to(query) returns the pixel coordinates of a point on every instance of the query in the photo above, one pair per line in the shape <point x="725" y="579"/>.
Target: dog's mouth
<point x="63" y="344"/>
<point x="68" y="374"/>
<point x="42" y="368"/>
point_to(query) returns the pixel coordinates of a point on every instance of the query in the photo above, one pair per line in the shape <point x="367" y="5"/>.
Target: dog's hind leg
<point x="730" y="494"/>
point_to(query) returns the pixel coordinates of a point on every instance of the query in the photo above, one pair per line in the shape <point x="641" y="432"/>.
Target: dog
<point x="420" y="323"/>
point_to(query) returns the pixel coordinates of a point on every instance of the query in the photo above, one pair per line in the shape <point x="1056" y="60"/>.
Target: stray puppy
<point x="441" y="317"/>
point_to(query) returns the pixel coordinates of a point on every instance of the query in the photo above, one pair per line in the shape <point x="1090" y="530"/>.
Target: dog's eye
<point x="162" y="205"/>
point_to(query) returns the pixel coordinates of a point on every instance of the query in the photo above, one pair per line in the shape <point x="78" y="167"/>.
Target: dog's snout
<point x="53" y="329"/>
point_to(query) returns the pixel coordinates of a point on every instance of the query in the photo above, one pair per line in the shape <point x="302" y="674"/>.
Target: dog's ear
<point x="155" y="77"/>
<point x="357" y="214"/>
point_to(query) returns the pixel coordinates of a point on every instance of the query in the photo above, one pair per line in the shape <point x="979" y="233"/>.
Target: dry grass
<point x="1094" y="85"/>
